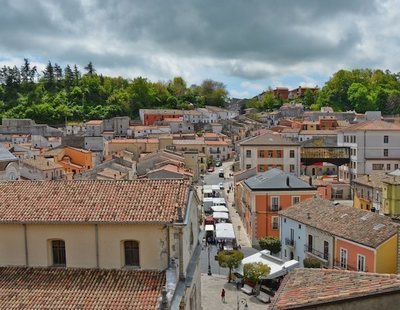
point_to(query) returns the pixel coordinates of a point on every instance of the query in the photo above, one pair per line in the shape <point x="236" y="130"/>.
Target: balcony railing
<point x="276" y="208"/>
<point x="349" y="267"/>
<point x="290" y="242"/>
<point x="309" y="249"/>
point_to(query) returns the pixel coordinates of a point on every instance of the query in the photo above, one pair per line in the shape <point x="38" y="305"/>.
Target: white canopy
<point x="219" y="201"/>
<point x="224" y="231"/>
<point x="220" y="215"/>
<point x="207" y="191"/>
<point x="278" y="266"/>
<point x="209" y="227"/>
<point x="220" y="209"/>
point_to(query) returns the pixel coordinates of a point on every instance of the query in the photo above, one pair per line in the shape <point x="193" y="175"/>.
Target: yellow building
<point x="140" y="224"/>
<point x="391" y="195"/>
<point x="368" y="191"/>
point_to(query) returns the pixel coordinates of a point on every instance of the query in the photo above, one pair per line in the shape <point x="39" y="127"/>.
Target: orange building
<point x="265" y="194"/>
<point x="76" y="160"/>
<point x="152" y="116"/>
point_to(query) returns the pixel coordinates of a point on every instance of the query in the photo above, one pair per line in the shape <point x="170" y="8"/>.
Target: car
<point x="221" y="185"/>
<point x="221" y="173"/>
<point x="211" y="169"/>
<point x="218" y="164"/>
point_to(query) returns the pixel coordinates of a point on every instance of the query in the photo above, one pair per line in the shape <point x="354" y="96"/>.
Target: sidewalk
<point x="211" y="287"/>
<point x="240" y="233"/>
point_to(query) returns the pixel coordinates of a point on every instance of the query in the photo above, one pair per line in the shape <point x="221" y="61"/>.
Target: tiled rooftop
<point x="60" y="288"/>
<point x="374" y="125"/>
<point x="94" y="122"/>
<point x="313" y="287"/>
<point x="41" y="164"/>
<point x="364" y="227"/>
<point x="373" y="180"/>
<point x="92" y="201"/>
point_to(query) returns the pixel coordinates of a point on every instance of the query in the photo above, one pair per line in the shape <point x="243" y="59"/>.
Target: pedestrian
<point x="223" y="295"/>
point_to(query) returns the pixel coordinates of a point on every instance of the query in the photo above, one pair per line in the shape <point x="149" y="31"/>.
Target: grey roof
<point x="276" y="179"/>
<point x="269" y="139"/>
<point x="6" y="155"/>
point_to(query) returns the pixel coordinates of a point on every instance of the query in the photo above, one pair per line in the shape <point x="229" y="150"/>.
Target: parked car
<point x="211" y="169"/>
<point x="218" y="164"/>
<point x="221" y="173"/>
<point x="221" y="185"/>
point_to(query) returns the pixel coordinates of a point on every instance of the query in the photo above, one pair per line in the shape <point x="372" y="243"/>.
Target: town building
<point x="111" y="226"/>
<point x="270" y="151"/>
<point x="339" y="236"/>
<point x="367" y="191"/>
<point x="374" y="146"/>
<point x="9" y="168"/>
<point x="40" y="168"/>
<point x="262" y="196"/>
<point x="336" y="289"/>
<point x="391" y="195"/>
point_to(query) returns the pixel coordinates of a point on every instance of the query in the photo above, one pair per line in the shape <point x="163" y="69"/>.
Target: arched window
<point x="58" y="253"/>
<point x="131" y="250"/>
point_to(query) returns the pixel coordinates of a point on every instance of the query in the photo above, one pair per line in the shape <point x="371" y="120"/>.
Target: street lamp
<point x="209" y="263"/>
<point x="242" y="301"/>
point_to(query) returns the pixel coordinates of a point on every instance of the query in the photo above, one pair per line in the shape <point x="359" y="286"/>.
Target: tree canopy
<point x="271" y="244"/>
<point x="58" y="94"/>
<point x="230" y="259"/>
<point x="255" y="271"/>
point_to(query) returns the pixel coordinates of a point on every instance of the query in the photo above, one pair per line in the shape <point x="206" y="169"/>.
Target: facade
<point x="263" y="195"/>
<point x="9" y="168"/>
<point x="367" y="191"/>
<point x="41" y="169"/>
<point x="391" y="196"/>
<point x="375" y="146"/>
<point x="133" y="225"/>
<point x="270" y="151"/>
<point x="339" y="236"/>
<point x="336" y="289"/>
<point x="76" y="160"/>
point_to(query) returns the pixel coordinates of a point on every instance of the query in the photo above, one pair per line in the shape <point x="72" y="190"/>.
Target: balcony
<point x="275" y="209"/>
<point x="348" y="267"/>
<point x="317" y="254"/>
<point x="290" y="242"/>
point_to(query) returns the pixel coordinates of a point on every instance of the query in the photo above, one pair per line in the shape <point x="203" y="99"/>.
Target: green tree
<point x="230" y="259"/>
<point x="255" y="271"/>
<point x="359" y="98"/>
<point x="310" y="98"/>
<point x="214" y="93"/>
<point x="311" y="262"/>
<point x="271" y="244"/>
<point x="90" y="69"/>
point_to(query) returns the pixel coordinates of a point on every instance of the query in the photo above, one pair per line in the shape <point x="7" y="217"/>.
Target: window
<point x="261" y="168"/>
<point x="270" y="154"/>
<point x="385" y="139"/>
<point x="291" y="154"/>
<point x="131" y="250"/>
<point x="285" y="253"/>
<point x="248" y="166"/>
<point x="388" y="167"/>
<point x="385" y="152"/>
<point x="261" y="154"/>
<point x="295" y="199"/>
<point x="360" y="262"/>
<point x="291" y="168"/>
<point x="343" y="258"/>
<point x="279" y="153"/>
<point x="275" y="222"/>
<point x="58" y="253"/>
<point x="291" y="234"/>
<point x="326" y="249"/>
<point x="377" y="166"/>
<point x="299" y="226"/>
<point x="275" y="203"/>
<point x="310" y="243"/>
<point x="396" y="166"/>
<point x="248" y="153"/>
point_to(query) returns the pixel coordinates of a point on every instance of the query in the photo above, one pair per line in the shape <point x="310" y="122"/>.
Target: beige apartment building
<point x="269" y="151"/>
<point x="127" y="225"/>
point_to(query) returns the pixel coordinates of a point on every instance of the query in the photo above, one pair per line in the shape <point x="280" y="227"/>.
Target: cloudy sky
<point x="246" y="44"/>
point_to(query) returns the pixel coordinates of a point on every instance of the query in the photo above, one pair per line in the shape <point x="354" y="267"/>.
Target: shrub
<point x="311" y="262"/>
<point x="271" y="244"/>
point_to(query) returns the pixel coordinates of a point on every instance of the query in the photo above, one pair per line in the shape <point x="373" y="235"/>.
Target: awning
<point x="220" y="209"/>
<point x="220" y="215"/>
<point x="224" y="231"/>
<point x="278" y="267"/>
<point x="209" y="227"/>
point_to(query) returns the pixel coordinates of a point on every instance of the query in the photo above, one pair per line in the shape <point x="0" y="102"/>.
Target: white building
<point x="374" y="146"/>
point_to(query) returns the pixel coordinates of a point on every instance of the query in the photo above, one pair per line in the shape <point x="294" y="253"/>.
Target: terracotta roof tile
<point x="59" y="288"/>
<point x="268" y="139"/>
<point x="41" y="164"/>
<point x="374" y="125"/>
<point x="312" y="287"/>
<point x="97" y="201"/>
<point x="363" y="227"/>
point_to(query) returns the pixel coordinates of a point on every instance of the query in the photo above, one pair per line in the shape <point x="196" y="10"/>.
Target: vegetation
<point x="311" y="262"/>
<point x="359" y="89"/>
<point x="271" y="244"/>
<point x="255" y="271"/>
<point x="230" y="259"/>
<point x="59" y="94"/>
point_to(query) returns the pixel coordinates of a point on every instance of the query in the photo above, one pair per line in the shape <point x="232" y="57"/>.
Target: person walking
<point x="223" y="295"/>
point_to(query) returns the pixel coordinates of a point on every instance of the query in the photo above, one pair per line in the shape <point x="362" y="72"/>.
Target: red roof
<point x="60" y="288"/>
<point x="92" y="201"/>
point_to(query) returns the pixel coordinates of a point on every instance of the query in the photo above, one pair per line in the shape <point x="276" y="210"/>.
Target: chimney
<point x="179" y="212"/>
<point x="287" y="181"/>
